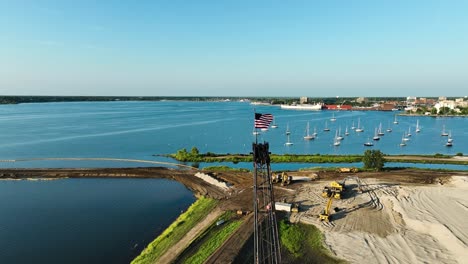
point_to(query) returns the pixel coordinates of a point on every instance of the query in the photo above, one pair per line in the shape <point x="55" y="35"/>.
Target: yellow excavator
<point x="325" y="215"/>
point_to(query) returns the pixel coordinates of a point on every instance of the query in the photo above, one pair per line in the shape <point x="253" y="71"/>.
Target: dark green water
<point x="85" y="220"/>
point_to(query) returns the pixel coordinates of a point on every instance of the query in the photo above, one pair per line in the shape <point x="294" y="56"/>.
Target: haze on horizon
<point x="234" y="48"/>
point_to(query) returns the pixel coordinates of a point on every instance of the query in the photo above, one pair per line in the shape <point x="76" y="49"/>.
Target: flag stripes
<point x="263" y="120"/>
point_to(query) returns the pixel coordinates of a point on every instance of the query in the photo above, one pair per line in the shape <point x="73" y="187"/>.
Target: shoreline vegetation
<point x="194" y="155"/>
<point x="174" y="233"/>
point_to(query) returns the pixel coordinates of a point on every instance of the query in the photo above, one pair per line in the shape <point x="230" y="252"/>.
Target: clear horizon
<point x="242" y="48"/>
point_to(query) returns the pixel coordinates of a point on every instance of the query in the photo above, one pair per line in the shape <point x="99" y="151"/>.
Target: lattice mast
<point x="266" y="240"/>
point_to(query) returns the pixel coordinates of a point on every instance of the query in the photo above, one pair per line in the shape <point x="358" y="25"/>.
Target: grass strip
<point x="174" y="233"/>
<point x="214" y="240"/>
<point x="304" y="243"/>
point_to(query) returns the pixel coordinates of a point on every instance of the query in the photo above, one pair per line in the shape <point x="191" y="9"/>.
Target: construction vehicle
<point x="325" y="215"/>
<point x="295" y="208"/>
<point x="286" y="180"/>
<point x="333" y="192"/>
<point x="347" y="170"/>
<point x="283" y="177"/>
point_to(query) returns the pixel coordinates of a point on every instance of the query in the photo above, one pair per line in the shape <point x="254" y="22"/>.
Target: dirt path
<point x="174" y="251"/>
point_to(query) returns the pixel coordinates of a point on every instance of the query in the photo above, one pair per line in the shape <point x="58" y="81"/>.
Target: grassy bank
<point x="211" y="240"/>
<point x="304" y="244"/>
<point x="225" y="168"/>
<point x="194" y="156"/>
<point x="174" y="233"/>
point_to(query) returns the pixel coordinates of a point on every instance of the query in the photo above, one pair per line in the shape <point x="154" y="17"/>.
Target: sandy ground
<point x="403" y="216"/>
<point x="393" y="223"/>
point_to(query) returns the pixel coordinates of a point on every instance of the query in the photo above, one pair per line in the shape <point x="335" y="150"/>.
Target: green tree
<point x="194" y="151"/>
<point x="373" y="159"/>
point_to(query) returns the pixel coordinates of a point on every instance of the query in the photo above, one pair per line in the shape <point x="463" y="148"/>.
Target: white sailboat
<point x="405" y="137"/>
<point x="346" y="132"/>
<point x="308" y="136"/>
<point x="409" y="132"/>
<point x="380" y="131"/>
<point x="450" y="139"/>
<point x="288" y="143"/>
<point x="403" y="143"/>
<point x="336" y="141"/>
<point x="352" y="126"/>
<point x="389" y="129"/>
<point x="376" y="136"/>
<point x="418" y="129"/>
<point x="274" y="125"/>
<point x="255" y="132"/>
<point x="326" y="127"/>
<point x="339" y="136"/>
<point x="333" y="119"/>
<point x="359" y="129"/>
<point x="368" y="143"/>
<point x="315" y="132"/>
<point x="395" y="121"/>
<point x="444" y="133"/>
<point x="287" y="129"/>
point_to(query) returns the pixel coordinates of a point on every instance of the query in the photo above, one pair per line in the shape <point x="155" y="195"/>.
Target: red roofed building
<point x="337" y="107"/>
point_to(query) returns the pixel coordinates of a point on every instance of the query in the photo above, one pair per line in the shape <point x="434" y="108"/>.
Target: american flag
<point x="263" y="120"/>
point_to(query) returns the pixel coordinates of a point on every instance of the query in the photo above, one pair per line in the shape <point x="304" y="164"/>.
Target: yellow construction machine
<point x="284" y="178"/>
<point x="328" y="192"/>
<point x="325" y="215"/>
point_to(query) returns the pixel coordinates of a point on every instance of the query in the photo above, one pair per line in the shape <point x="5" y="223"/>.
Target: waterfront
<point x="85" y="220"/>
<point x="137" y="130"/>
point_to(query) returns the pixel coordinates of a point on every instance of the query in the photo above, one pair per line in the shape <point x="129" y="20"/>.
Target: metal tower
<point x="266" y="240"/>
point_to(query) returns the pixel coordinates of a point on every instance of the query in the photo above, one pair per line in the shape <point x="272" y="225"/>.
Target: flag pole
<point x="255" y="129"/>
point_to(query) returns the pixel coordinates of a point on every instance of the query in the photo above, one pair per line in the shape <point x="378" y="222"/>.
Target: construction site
<point x="394" y="216"/>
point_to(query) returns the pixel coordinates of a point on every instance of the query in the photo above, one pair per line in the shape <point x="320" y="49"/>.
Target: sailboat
<point x="409" y="132"/>
<point x="287" y="129"/>
<point x="368" y="143"/>
<point x="308" y="136"/>
<point x="315" y="132"/>
<point x="339" y="136"/>
<point x="405" y="137"/>
<point x="380" y="132"/>
<point x="403" y="143"/>
<point x="359" y="129"/>
<point x="274" y="125"/>
<point x="326" y="127"/>
<point x="333" y="119"/>
<point x="417" y="126"/>
<point x="336" y="141"/>
<point x="450" y="139"/>
<point x="376" y="136"/>
<point x="444" y="133"/>
<point x="288" y="143"/>
<point x="449" y="144"/>
<point x="395" y="121"/>
<point x="389" y="129"/>
<point x="255" y="132"/>
<point x="352" y="126"/>
<point x="346" y="132"/>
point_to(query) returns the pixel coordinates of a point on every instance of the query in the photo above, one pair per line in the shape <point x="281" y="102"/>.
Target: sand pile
<point x="418" y="224"/>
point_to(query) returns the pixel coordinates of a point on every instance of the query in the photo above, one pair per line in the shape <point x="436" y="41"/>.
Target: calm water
<point x="139" y="129"/>
<point x="85" y="220"/>
<point x="111" y="220"/>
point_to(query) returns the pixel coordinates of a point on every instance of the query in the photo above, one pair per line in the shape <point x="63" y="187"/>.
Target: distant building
<point x="387" y="107"/>
<point x="442" y="98"/>
<point x="303" y="100"/>
<point x="411" y="100"/>
<point x="337" y="107"/>
<point x="459" y="100"/>
<point x="361" y="100"/>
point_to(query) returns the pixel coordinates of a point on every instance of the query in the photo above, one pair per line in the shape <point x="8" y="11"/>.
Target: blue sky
<point x="234" y="48"/>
